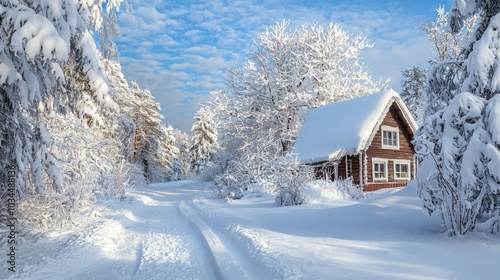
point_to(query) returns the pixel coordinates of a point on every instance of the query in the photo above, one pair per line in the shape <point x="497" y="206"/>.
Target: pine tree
<point x="182" y="161"/>
<point x="450" y="174"/>
<point x="204" y="140"/>
<point x="458" y="144"/>
<point x="152" y="148"/>
<point x="38" y="43"/>
<point x="413" y="84"/>
<point x="171" y="149"/>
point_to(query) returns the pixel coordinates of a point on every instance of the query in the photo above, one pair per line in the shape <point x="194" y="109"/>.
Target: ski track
<point x="145" y="238"/>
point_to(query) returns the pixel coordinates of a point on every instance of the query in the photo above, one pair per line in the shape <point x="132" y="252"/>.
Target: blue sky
<point x="180" y="49"/>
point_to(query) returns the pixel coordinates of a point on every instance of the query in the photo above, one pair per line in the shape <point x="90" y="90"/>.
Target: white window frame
<point x="408" y="170"/>
<point x="378" y="161"/>
<point x="386" y="128"/>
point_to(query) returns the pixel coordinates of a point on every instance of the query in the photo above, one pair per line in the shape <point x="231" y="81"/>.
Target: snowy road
<point x="143" y="237"/>
<point x="176" y="231"/>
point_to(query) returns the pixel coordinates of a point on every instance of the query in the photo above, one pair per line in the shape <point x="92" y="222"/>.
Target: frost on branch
<point x="445" y="73"/>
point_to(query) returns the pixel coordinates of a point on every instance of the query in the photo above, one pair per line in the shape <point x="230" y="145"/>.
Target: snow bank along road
<point x="155" y="233"/>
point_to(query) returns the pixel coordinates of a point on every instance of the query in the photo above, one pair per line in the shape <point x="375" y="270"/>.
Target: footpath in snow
<point x="177" y="231"/>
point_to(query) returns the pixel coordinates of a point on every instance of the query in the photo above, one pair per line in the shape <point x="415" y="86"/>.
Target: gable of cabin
<point x="389" y="157"/>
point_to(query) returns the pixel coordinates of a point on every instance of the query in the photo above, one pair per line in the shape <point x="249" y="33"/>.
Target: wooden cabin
<point x="367" y="139"/>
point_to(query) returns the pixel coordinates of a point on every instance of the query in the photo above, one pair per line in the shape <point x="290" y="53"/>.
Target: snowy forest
<point x="75" y="132"/>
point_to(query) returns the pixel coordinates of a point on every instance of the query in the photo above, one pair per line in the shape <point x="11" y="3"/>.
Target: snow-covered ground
<point x="177" y="231"/>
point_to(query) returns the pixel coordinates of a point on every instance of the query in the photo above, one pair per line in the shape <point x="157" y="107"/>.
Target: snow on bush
<point x="228" y="186"/>
<point x="324" y="191"/>
<point x="290" y="182"/>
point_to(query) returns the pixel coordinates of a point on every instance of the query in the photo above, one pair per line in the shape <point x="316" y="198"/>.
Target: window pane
<point x="390" y="138"/>
<point x="401" y="170"/>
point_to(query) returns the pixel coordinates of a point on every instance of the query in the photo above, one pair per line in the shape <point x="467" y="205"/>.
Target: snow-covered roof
<point x="346" y="127"/>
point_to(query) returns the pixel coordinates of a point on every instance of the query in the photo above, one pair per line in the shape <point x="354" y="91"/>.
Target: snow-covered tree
<point x="170" y="150"/>
<point x="447" y="45"/>
<point x="144" y="139"/>
<point x="151" y="148"/>
<point x="480" y="74"/>
<point x="413" y="84"/>
<point x="262" y="108"/>
<point x="459" y="173"/>
<point x="109" y="31"/>
<point x="444" y="73"/>
<point x="181" y="165"/>
<point x="47" y="55"/>
<point x="204" y="140"/>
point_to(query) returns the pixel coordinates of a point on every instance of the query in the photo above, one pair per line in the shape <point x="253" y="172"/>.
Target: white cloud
<point x="180" y="49"/>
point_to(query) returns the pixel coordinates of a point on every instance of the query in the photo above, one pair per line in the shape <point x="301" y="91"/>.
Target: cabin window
<point x="402" y="170"/>
<point x="379" y="169"/>
<point x="390" y="137"/>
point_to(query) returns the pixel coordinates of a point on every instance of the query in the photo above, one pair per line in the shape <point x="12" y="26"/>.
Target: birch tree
<point x="291" y="71"/>
<point x="445" y="67"/>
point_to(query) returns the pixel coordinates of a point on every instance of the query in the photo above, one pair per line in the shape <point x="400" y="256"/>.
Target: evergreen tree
<point x="38" y="43"/>
<point x="50" y="69"/>
<point x="171" y="150"/>
<point x="204" y="140"/>
<point x="413" y="83"/>
<point x="149" y="132"/>
<point x="182" y="161"/>
<point x="459" y="173"/>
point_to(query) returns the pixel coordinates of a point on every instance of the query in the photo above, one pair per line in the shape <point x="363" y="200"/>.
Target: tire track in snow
<point x="146" y="238"/>
<point x="137" y="264"/>
<point x="168" y="248"/>
<point x="228" y="261"/>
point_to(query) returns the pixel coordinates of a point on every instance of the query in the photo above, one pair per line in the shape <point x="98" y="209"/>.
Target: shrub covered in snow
<point x="290" y="178"/>
<point x="321" y="191"/>
<point x="227" y="185"/>
<point x="289" y="186"/>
